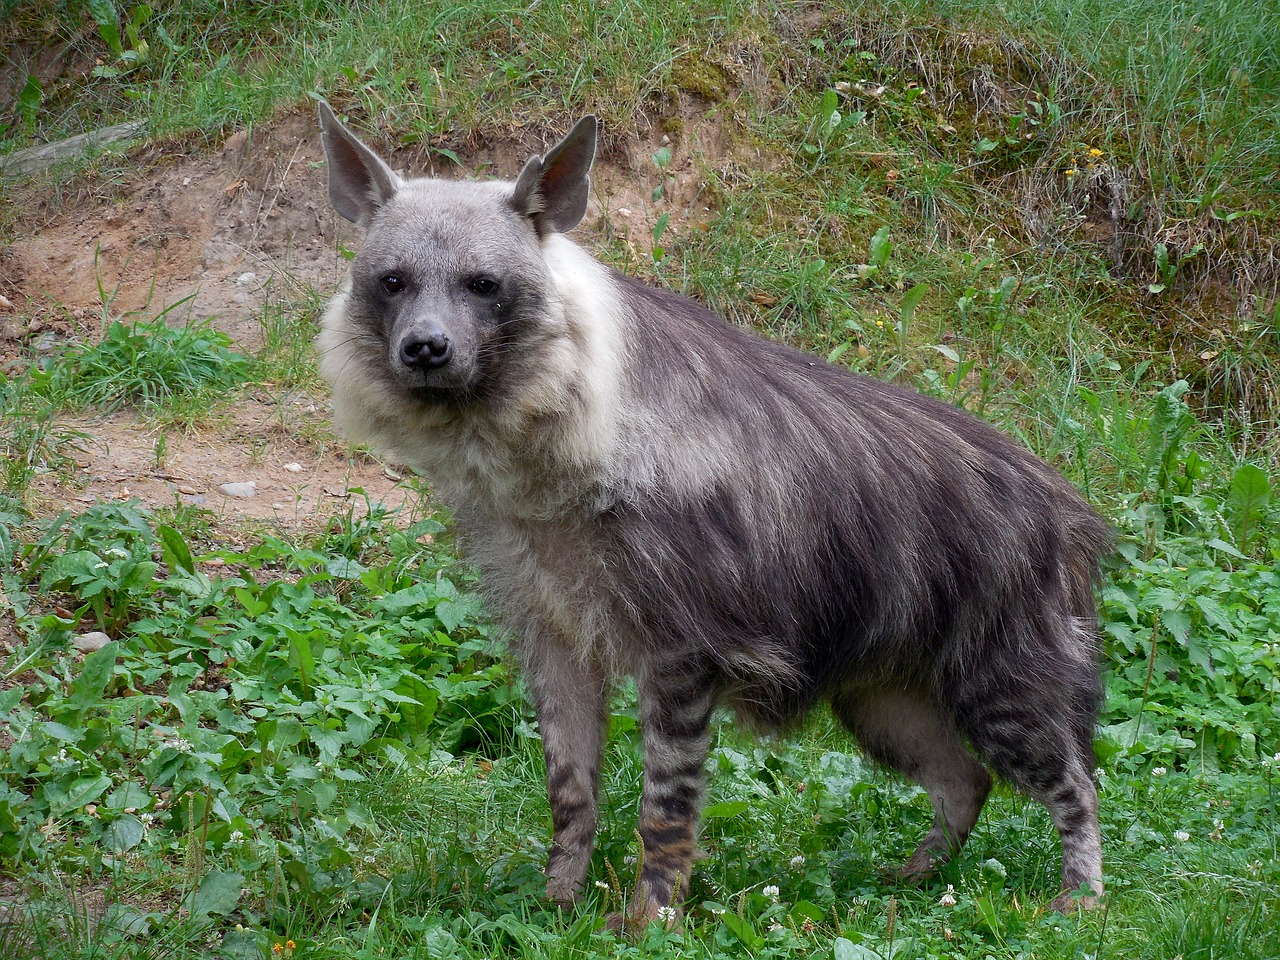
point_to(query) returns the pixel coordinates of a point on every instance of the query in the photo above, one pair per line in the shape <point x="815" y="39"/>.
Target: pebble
<point x="187" y="490"/>
<point x="5" y="303"/>
<point x="243" y="490"/>
<point x="246" y="278"/>
<point x="293" y="467"/>
<point x="89" y="642"/>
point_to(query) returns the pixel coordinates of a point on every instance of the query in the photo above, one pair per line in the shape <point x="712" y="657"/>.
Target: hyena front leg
<point x="675" y="716"/>
<point x="569" y="698"/>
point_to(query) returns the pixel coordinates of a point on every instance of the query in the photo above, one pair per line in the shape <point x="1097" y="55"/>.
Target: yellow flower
<point x="1095" y="152"/>
<point x="289" y="944"/>
<point x="1072" y="172"/>
<point x="277" y="948"/>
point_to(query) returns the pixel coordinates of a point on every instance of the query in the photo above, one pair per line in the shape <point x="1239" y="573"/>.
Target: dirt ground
<point x="221" y="235"/>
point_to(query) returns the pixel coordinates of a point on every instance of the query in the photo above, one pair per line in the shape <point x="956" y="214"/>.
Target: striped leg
<point x="1034" y="724"/>
<point x="569" y="698"/>
<point x="675" y="711"/>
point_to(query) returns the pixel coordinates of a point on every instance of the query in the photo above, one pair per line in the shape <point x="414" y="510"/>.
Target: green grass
<point x="313" y="743"/>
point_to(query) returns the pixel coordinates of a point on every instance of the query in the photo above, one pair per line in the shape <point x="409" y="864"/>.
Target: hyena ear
<point x="359" y="182"/>
<point x="552" y="190"/>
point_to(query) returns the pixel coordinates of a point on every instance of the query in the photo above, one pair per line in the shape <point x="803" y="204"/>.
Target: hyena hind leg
<point x="906" y="731"/>
<point x="1039" y="738"/>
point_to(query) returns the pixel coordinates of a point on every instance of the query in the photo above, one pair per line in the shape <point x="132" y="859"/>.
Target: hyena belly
<point x="650" y="491"/>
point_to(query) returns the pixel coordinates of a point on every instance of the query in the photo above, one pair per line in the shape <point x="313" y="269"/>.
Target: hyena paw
<point x="1069" y="901"/>
<point x="562" y="891"/>
<point x="633" y="922"/>
<point x="922" y="866"/>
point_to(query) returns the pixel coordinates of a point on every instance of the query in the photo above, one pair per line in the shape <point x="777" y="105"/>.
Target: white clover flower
<point x="797" y="862"/>
<point x="236" y="837"/>
<point x="1181" y="836"/>
<point x="100" y="565"/>
<point x="667" y="914"/>
<point x="62" y="755"/>
<point x="771" y="891"/>
<point x="949" y="898"/>
<point x="146" y="819"/>
<point x="1158" y="771"/>
<point x="718" y="911"/>
<point x="601" y="885"/>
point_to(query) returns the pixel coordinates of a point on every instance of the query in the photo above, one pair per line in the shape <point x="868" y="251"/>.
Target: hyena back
<point x="651" y="491"/>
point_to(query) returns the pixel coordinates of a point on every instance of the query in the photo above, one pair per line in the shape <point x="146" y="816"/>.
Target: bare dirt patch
<point x="221" y="235"/>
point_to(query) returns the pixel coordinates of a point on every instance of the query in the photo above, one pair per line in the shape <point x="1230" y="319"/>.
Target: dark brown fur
<point x="653" y="492"/>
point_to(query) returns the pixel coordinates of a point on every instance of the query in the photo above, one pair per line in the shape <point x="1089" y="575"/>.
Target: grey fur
<point x="653" y="492"/>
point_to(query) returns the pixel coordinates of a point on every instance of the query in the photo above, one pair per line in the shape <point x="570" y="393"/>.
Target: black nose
<point x="426" y="353"/>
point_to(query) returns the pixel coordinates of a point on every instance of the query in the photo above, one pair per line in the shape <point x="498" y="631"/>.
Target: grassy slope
<point x="951" y="127"/>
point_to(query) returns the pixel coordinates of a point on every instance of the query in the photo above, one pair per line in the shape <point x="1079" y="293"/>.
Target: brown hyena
<point x="653" y="492"/>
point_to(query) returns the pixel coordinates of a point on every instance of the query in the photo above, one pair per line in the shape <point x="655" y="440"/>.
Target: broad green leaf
<point x="742" y="930"/>
<point x="174" y="549"/>
<point x="1247" y="501"/>
<point x="125" y="834"/>
<point x="725" y="810"/>
<point x="911" y="299"/>
<point x="86" y="689"/>
<point x="82" y="791"/>
<point x="218" y="895"/>
<point x="844" y="949"/>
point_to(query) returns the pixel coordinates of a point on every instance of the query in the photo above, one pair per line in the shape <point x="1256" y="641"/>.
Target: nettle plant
<point x="230" y="711"/>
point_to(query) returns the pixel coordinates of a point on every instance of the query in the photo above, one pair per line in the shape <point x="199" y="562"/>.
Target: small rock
<point x="187" y="489"/>
<point x="392" y="474"/>
<point x="624" y="211"/>
<point x="46" y="342"/>
<point x="293" y="467"/>
<point x="89" y="642"/>
<point x="246" y="278"/>
<point x="243" y="490"/>
<point x="5" y="303"/>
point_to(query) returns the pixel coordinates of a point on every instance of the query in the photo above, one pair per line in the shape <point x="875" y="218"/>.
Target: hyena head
<point x="450" y="300"/>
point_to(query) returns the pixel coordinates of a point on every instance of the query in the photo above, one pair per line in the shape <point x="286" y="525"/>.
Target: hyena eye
<point x="391" y="283"/>
<point x="483" y="286"/>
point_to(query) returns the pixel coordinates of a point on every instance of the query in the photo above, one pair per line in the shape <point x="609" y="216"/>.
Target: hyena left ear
<point x="359" y="182"/>
<point x="552" y="191"/>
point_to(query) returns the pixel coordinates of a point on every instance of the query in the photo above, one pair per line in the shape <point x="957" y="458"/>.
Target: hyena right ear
<point x="359" y="182"/>
<point x="552" y="191"/>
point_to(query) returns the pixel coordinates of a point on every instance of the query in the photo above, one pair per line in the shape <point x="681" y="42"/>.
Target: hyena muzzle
<point x="651" y="491"/>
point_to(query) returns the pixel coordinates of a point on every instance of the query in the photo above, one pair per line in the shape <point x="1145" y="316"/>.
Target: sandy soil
<point x="222" y="235"/>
